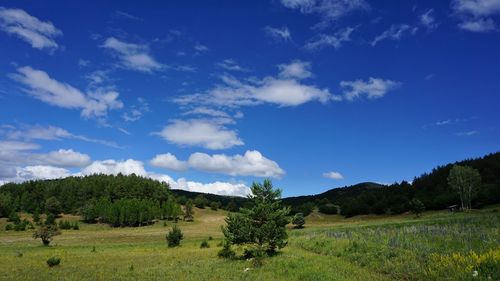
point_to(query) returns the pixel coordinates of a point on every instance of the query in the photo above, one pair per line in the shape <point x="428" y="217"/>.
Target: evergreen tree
<point x="262" y="225"/>
<point x="36" y="216"/>
<point x="53" y="206"/>
<point x="416" y="207"/>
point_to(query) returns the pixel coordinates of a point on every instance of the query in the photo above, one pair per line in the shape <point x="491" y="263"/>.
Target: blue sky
<point x="212" y="95"/>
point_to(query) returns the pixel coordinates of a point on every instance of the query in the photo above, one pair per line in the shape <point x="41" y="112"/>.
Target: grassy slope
<point x="141" y="253"/>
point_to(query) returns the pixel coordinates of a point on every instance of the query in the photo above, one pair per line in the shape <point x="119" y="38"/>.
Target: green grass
<point x="329" y="248"/>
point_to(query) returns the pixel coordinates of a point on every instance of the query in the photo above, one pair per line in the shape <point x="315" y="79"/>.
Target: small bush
<point x="328" y="209"/>
<point x="226" y="251"/>
<point x="174" y="237"/>
<point x="210" y="238"/>
<point x="20" y="226"/>
<point x="9" y="227"/>
<point x="204" y="244"/>
<point x="76" y="226"/>
<point x="53" y="261"/>
<point x="14" y="217"/>
<point x="65" y="225"/>
<point x="50" y="220"/>
<point x="298" y="220"/>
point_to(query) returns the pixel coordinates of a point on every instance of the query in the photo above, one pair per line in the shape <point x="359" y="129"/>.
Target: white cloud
<point x="221" y="188"/>
<point x="64" y="158"/>
<point x="478" y="25"/>
<point x="200" y="48"/>
<point x="168" y="161"/>
<point x="467" y="133"/>
<point x="231" y="65"/>
<point x="252" y="163"/>
<point x="278" y="33"/>
<point x="41" y="86"/>
<point x="136" y="111"/>
<point x="428" y="20"/>
<point x="130" y="166"/>
<point x="328" y="10"/>
<point x="40" y="34"/>
<point x="372" y="89"/>
<point x="132" y="56"/>
<point x="296" y="69"/>
<point x="324" y="40"/>
<point x="333" y="175"/>
<point x="41" y="172"/>
<point x="234" y="93"/>
<point x="200" y="132"/>
<point x="476" y="15"/>
<point x="395" y="32"/>
<point x="38" y="132"/>
<point x="113" y="167"/>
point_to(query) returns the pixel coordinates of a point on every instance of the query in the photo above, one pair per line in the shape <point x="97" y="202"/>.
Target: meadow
<point x="436" y="246"/>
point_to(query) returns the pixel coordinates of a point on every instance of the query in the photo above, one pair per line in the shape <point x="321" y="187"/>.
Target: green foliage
<point x="123" y="212"/>
<point x="36" y="216"/>
<point x="298" y="220"/>
<point x="46" y="233"/>
<point x="50" y="220"/>
<point x="466" y="181"/>
<point x="76" y="226"/>
<point x="328" y="208"/>
<point x="174" y="237"/>
<point x="21" y="225"/>
<point x="214" y="206"/>
<point x="6" y="206"/>
<point x="14" y="217"/>
<point x="204" y="244"/>
<point x="53" y="261"/>
<point x="264" y="224"/>
<point x="73" y="193"/>
<point x="200" y="201"/>
<point x="9" y="226"/>
<point x="226" y="251"/>
<point x="53" y="206"/>
<point x="188" y="210"/>
<point x="65" y="224"/>
<point x="417" y="207"/>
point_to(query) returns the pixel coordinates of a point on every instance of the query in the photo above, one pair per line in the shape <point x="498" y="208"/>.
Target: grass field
<point x="436" y="246"/>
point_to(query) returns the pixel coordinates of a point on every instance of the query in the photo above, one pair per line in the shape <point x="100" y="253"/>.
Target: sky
<point x="211" y="96"/>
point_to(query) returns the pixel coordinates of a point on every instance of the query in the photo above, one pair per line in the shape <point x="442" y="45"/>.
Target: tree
<point x="328" y="209"/>
<point x="466" y="181"/>
<point x="174" y="237"/>
<point x="50" y="220"/>
<point x="417" y="207"/>
<point x="46" y="233"/>
<point x="298" y="220"/>
<point x="200" y="201"/>
<point x="188" y="210"/>
<point x="6" y="207"/>
<point x="264" y="224"/>
<point x="53" y="206"/>
<point x="36" y="216"/>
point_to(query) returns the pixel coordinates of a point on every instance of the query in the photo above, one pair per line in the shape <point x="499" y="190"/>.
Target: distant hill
<point x="363" y="198"/>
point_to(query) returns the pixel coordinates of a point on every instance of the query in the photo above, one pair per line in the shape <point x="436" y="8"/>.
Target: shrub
<point x="53" y="261"/>
<point x="9" y="226"/>
<point x="210" y="238"/>
<point x="298" y="220"/>
<point x="416" y="206"/>
<point x="226" y="251"/>
<point x="14" y="217"/>
<point x="328" y="209"/>
<point x="204" y="244"/>
<point x="76" y="226"/>
<point x="46" y="233"/>
<point x="50" y="220"/>
<point x="20" y="225"/>
<point x="36" y="216"/>
<point x="174" y="237"/>
<point x="65" y="225"/>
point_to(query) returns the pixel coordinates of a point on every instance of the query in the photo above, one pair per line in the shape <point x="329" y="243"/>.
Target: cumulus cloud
<point x="333" y="175"/>
<point x="41" y="86"/>
<point x="296" y="69"/>
<point x="39" y="34"/>
<point x="252" y="163"/>
<point x="200" y="132"/>
<point x="476" y="15"/>
<point x="278" y="33"/>
<point x="395" y="32"/>
<point x="330" y="40"/>
<point x="168" y="161"/>
<point x="328" y="10"/>
<point x="130" y="166"/>
<point x="63" y="158"/>
<point x="40" y="172"/>
<point x="200" y="48"/>
<point x="280" y="91"/>
<point x="372" y="89"/>
<point x="132" y="56"/>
